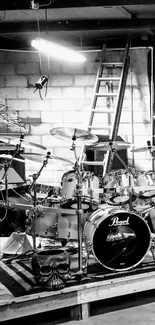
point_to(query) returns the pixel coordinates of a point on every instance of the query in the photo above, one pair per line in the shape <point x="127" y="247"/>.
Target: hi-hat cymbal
<point x="37" y="157"/>
<point x="73" y="134"/>
<point x="104" y="146"/>
<point x="25" y="143"/>
<point x="143" y="149"/>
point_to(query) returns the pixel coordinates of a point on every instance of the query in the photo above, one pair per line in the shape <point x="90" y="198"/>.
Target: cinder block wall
<point x="67" y="102"/>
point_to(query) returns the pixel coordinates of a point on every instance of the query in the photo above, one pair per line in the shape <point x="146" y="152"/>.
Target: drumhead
<point x="119" y="239"/>
<point x="118" y="199"/>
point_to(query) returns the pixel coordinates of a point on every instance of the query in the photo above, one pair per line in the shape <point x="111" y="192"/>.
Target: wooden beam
<point x="21" y="5"/>
<point x="78" y="25"/>
<point x="77" y="297"/>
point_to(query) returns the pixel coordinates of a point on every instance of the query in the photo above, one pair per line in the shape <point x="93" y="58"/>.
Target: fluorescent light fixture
<point x="57" y="51"/>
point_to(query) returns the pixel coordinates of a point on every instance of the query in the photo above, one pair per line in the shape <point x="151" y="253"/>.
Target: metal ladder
<point x="118" y="95"/>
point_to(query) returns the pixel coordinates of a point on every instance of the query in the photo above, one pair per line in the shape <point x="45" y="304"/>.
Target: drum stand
<point x="130" y="189"/>
<point x="33" y="186"/>
<point x="79" y="210"/>
<point x="7" y="165"/>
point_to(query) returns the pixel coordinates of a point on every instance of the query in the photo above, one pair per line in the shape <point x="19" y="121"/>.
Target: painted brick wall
<point x="67" y="102"/>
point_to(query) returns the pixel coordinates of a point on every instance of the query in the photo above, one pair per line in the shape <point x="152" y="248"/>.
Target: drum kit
<point x="110" y="226"/>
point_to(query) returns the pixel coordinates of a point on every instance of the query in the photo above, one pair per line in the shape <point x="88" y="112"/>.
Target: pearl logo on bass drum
<point x="116" y="222"/>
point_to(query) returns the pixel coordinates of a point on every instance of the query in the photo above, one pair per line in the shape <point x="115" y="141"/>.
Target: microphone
<point x="40" y="83"/>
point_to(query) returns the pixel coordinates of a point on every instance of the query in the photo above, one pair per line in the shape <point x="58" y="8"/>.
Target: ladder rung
<point x="109" y="79"/>
<point x="117" y="64"/>
<point x="99" y="127"/>
<point x="93" y="163"/>
<point x="103" y="110"/>
<point x="106" y="94"/>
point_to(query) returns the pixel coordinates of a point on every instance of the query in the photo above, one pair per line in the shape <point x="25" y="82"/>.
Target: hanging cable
<point x="43" y="79"/>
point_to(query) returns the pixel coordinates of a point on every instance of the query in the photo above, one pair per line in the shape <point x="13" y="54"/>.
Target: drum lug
<point x="95" y="225"/>
<point x="89" y="246"/>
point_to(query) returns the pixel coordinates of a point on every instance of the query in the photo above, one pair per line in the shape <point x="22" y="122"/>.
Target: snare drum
<point x="89" y="199"/>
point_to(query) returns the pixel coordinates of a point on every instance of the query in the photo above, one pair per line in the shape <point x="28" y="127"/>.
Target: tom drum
<point x="90" y="198"/>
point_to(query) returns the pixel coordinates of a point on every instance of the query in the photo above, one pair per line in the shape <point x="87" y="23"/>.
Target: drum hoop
<point x="119" y="211"/>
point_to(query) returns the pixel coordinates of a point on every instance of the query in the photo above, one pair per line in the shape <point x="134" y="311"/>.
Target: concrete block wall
<point x="67" y="103"/>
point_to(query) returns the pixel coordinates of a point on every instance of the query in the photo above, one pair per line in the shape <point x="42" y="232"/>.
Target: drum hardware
<point x="37" y="157"/>
<point x="113" y="146"/>
<point x="23" y="143"/>
<point x="79" y="211"/>
<point x="33" y="186"/>
<point x="149" y="148"/>
<point x="7" y="165"/>
<point x="105" y="146"/>
<point x="74" y="135"/>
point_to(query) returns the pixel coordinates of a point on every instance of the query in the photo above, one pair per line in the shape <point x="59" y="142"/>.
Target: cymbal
<point x="37" y="157"/>
<point x="143" y="149"/>
<point x="73" y="134"/>
<point x="104" y="146"/>
<point x="9" y="157"/>
<point x="24" y="143"/>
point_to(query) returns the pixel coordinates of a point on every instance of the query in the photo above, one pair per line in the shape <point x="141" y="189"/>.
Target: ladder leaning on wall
<point x="102" y="80"/>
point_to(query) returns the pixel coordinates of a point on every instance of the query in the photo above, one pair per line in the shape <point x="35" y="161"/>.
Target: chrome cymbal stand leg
<point x="33" y="186"/>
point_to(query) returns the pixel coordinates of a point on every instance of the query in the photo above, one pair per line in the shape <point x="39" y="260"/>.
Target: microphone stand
<point x="33" y="185"/>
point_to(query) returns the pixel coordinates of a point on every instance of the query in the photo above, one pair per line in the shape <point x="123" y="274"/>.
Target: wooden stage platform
<point x="20" y="297"/>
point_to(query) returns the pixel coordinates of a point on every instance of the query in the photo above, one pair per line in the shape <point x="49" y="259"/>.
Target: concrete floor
<point x="139" y="315"/>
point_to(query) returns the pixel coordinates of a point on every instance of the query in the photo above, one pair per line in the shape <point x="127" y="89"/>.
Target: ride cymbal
<point x="73" y="134"/>
<point x="24" y="143"/>
<point x="104" y="146"/>
<point x="37" y="157"/>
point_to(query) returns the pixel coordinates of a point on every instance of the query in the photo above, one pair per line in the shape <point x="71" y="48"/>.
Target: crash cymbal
<point x="67" y="133"/>
<point x="4" y="147"/>
<point x="143" y="149"/>
<point x="104" y="146"/>
<point x="37" y="157"/>
<point x="9" y="157"/>
<point x="25" y="143"/>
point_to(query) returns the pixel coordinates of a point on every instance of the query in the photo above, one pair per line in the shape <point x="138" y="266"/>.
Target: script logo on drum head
<point x="117" y="222"/>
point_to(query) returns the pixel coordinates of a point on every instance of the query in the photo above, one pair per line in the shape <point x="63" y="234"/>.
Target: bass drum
<point x="118" y="239"/>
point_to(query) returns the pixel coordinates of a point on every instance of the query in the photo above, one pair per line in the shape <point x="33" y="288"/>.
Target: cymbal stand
<point x="79" y="208"/>
<point x="130" y="190"/>
<point x="33" y="186"/>
<point x="7" y="165"/>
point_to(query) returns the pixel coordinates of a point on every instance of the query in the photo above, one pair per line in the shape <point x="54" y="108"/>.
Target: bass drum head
<point x="119" y="239"/>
